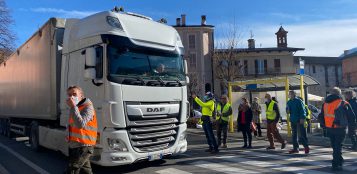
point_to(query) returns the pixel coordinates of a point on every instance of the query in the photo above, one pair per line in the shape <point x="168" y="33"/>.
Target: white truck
<point x="132" y="69"/>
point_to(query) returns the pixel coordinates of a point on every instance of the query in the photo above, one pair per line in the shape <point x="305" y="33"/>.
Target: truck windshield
<point x="126" y="63"/>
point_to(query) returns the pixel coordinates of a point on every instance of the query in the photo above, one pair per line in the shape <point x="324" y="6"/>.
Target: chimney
<point x="345" y="52"/>
<point x="203" y="20"/>
<point x="251" y="44"/>
<point x="183" y="17"/>
<point x="178" y="21"/>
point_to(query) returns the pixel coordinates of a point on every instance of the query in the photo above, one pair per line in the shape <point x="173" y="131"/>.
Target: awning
<point x="312" y="97"/>
<point x="276" y="83"/>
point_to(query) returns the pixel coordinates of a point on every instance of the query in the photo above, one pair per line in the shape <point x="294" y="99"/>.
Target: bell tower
<point x="282" y="38"/>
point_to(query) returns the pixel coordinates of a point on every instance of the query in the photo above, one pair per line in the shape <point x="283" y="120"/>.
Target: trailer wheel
<point x="34" y="138"/>
<point x="2" y="127"/>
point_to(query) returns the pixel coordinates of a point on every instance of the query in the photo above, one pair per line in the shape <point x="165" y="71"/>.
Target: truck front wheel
<point x="34" y="138"/>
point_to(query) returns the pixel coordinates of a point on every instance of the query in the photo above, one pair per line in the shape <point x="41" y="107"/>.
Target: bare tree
<point x="227" y="66"/>
<point x="195" y="83"/>
<point x="6" y="36"/>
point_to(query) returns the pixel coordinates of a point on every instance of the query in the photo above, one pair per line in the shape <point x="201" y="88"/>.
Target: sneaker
<point x="270" y="148"/>
<point x="214" y="151"/>
<point x="225" y="146"/>
<point x="307" y="150"/>
<point x="208" y="150"/>
<point x="283" y="145"/>
<point x="293" y="151"/>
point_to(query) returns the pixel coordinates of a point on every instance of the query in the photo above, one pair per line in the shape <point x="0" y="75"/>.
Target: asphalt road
<point x="17" y="157"/>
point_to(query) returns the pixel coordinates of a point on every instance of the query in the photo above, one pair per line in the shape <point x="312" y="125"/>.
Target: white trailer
<point x="114" y="57"/>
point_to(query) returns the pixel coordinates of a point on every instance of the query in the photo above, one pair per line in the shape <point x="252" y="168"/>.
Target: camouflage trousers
<point x="79" y="160"/>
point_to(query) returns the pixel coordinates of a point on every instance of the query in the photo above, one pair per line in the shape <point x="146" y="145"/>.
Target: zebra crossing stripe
<point x="269" y="165"/>
<point x="172" y="171"/>
<point x="221" y="168"/>
<point x="305" y="160"/>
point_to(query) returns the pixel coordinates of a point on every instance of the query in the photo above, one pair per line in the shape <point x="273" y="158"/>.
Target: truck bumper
<point x="106" y="157"/>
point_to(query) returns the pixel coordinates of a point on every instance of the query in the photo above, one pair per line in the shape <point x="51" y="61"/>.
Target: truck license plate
<point x="155" y="157"/>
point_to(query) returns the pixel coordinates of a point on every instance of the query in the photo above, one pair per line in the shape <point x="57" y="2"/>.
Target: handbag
<point x="253" y="127"/>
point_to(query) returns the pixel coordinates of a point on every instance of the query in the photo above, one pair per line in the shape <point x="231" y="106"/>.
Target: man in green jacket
<point x="207" y="111"/>
<point x="224" y="112"/>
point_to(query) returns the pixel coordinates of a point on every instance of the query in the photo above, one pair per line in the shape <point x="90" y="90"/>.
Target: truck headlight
<point x="183" y="136"/>
<point x="114" y="22"/>
<point x="117" y="145"/>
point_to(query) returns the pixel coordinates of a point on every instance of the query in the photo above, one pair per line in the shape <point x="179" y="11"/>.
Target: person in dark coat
<point x="245" y="118"/>
<point x="350" y="97"/>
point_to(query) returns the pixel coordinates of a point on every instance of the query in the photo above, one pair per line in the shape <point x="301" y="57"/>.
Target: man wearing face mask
<point x="207" y="112"/>
<point x="82" y="131"/>
<point x="273" y="116"/>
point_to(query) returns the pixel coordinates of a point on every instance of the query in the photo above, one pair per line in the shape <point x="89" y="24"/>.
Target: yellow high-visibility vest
<point x="225" y="110"/>
<point x="270" y="113"/>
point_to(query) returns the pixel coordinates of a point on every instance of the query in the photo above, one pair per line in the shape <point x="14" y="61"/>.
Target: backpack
<point x="341" y="115"/>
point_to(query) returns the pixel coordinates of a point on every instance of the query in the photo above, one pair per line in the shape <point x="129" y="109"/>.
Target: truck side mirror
<point x="90" y="63"/>
<point x="186" y="67"/>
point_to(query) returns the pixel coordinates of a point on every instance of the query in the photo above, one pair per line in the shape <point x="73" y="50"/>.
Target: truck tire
<point x="34" y="136"/>
<point x="2" y="127"/>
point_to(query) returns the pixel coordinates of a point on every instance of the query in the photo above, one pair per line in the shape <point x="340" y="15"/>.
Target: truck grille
<point x="151" y="132"/>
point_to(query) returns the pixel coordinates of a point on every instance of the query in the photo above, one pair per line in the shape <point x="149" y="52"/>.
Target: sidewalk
<point x="316" y="139"/>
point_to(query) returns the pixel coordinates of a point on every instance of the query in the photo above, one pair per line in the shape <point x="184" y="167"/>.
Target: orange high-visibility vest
<point x="85" y="135"/>
<point x="329" y="113"/>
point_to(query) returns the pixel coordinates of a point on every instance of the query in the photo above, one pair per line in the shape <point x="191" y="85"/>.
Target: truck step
<point x="18" y="129"/>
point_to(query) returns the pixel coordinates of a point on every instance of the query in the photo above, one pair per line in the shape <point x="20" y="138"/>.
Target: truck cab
<point x="132" y="69"/>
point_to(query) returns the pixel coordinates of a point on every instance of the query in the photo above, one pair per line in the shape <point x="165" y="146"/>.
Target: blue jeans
<point x="299" y="130"/>
<point x="207" y="127"/>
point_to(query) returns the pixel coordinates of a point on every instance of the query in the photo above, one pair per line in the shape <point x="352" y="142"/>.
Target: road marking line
<point x="23" y="159"/>
<point x="221" y="168"/>
<point x="172" y="171"/>
<point x="310" y="160"/>
<point x="270" y="165"/>
<point x="3" y="170"/>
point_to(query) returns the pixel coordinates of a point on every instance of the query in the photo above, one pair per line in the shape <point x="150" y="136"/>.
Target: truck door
<point x="93" y="89"/>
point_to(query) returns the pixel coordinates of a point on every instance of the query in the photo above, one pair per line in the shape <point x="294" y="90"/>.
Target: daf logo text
<point x="155" y="109"/>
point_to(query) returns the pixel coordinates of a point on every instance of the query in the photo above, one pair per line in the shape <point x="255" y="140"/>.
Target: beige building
<point x="280" y="60"/>
<point x="260" y="62"/>
<point x="198" y="44"/>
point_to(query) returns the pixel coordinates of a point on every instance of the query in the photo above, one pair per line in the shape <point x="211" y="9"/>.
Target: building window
<point x="193" y="60"/>
<point x="277" y="67"/>
<point x="260" y="66"/>
<point x="326" y="76"/>
<point x="313" y="69"/>
<point x="191" y="41"/>
<point x="245" y="67"/>
<point x="236" y="62"/>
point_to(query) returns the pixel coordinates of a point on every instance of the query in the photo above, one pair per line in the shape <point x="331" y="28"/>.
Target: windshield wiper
<point x="176" y="83"/>
<point x="134" y="81"/>
<point x="158" y="82"/>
